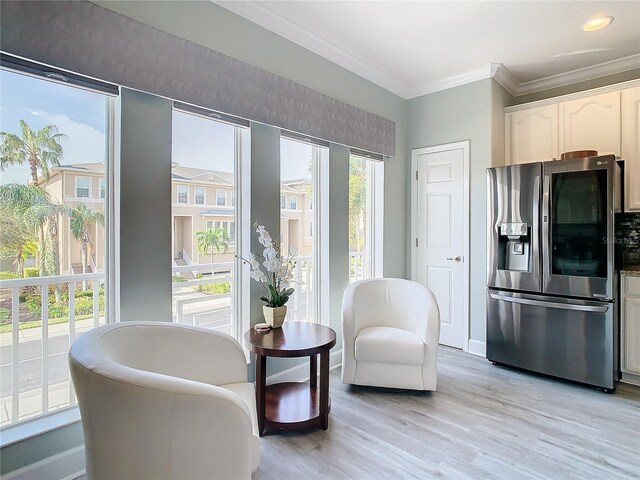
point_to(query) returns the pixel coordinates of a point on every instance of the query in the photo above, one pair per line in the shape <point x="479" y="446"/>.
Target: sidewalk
<point x="35" y="333"/>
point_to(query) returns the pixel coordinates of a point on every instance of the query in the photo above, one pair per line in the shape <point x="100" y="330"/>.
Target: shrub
<point x="33" y="304"/>
<point x="30" y="272"/>
<point x="58" y="309"/>
<point x="216" y="288"/>
<point x="4" y="314"/>
<point x="7" y="275"/>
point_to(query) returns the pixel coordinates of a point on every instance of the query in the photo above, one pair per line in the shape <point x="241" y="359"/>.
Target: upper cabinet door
<point x="630" y="99"/>
<point x="591" y="123"/>
<point x="532" y="135"/>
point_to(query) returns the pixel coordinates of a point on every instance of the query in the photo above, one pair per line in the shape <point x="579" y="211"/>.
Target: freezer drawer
<point x="572" y="339"/>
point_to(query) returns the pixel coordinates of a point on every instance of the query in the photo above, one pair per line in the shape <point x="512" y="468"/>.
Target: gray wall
<point x="144" y="263"/>
<point x="468" y="112"/>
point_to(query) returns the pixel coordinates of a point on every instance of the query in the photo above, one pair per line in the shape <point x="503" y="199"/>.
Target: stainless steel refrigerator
<point x="551" y="277"/>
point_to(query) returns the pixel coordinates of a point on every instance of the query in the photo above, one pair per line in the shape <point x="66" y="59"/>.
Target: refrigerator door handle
<point x="540" y="303"/>
<point x="546" y="266"/>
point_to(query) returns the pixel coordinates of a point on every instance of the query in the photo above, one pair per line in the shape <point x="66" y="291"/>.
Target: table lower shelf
<point x="292" y="405"/>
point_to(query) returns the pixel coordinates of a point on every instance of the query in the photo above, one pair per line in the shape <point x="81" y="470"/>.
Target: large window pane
<point x="205" y="155"/>
<point x="53" y="245"/>
<point x="302" y="174"/>
<point x="365" y="218"/>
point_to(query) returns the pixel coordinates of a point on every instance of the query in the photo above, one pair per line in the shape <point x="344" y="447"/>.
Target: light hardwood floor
<point x="483" y="422"/>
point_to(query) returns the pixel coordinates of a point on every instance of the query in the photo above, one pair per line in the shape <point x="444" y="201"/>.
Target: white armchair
<point x="161" y="401"/>
<point x="391" y="329"/>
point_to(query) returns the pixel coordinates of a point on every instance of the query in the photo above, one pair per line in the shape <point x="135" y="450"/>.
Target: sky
<point x="81" y="116"/>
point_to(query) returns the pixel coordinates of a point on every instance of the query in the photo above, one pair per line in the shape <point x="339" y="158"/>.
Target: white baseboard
<point x="300" y="373"/>
<point x="65" y="465"/>
<point x="476" y="347"/>
<point x="630" y="378"/>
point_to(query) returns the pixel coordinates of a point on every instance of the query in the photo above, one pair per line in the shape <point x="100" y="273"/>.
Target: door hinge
<point x="416" y="174"/>
<point x="416" y="242"/>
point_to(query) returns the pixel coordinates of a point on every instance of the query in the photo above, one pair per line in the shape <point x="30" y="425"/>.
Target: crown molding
<point x="258" y="14"/>
<point x="580" y="75"/>
<point x="449" y="82"/>
<point x="255" y="12"/>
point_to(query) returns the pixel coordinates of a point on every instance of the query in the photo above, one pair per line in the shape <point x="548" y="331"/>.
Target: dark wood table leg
<point x="313" y="370"/>
<point x="324" y="389"/>
<point x="261" y="391"/>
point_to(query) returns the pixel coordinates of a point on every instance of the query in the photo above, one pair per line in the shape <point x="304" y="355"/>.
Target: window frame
<point x="204" y="195"/>
<point x="89" y="192"/>
<point x="293" y="202"/>
<point x="187" y="192"/>
<point x="218" y="197"/>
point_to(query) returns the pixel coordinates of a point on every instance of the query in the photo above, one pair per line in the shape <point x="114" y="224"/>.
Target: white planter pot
<point x="274" y="316"/>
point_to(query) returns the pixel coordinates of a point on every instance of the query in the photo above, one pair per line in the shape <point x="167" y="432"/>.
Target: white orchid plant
<point x="277" y="275"/>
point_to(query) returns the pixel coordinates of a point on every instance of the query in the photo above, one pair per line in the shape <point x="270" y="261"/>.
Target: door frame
<point x="464" y="145"/>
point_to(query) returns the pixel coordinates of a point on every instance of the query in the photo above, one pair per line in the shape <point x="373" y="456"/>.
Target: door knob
<point x="457" y="258"/>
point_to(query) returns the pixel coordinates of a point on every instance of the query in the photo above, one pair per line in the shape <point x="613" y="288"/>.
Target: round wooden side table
<point x="292" y="405"/>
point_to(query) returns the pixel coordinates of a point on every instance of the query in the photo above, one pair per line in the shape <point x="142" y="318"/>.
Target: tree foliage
<point x="212" y="238"/>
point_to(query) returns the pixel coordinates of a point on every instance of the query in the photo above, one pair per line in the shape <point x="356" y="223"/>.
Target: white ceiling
<point x="414" y="48"/>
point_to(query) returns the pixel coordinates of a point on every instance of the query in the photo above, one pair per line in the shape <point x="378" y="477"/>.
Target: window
<point x="83" y="187"/>
<point x="365" y="217"/>
<point x="303" y="172"/>
<point x="199" y="192"/>
<point x="221" y="197"/>
<point x="183" y="194"/>
<point x="283" y="202"/>
<point x="206" y="288"/>
<point x="68" y="288"/>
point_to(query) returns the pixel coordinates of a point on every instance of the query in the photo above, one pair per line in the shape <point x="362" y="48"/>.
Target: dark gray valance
<point x="91" y="40"/>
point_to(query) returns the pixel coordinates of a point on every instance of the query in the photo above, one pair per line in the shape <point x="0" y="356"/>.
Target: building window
<point x="183" y="194"/>
<point x="199" y="195"/>
<point x="70" y="288"/>
<point x="283" y="202"/>
<point x="221" y="197"/>
<point x="365" y="217"/>
<point x="303" y="171"/>
<point x="83" y="187"/>
<point x="211" y="282"/>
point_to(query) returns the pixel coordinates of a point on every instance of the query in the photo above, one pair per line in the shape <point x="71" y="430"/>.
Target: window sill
<point x="32" y="428"/>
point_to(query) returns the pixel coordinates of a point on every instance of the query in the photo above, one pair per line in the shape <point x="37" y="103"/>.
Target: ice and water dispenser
<point x="514" y="245"/>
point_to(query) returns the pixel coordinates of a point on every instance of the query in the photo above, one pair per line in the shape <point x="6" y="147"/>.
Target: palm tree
<point x="357" y="199"/>
<point x="81" y="219"/>
<point x="26" y="210"/>
<point x="211" y="238"/>
<point x="16" y="238"/>
<point x="40" y="149"/>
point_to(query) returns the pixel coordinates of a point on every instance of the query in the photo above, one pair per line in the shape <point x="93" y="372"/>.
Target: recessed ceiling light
<point x="597" y="24"/>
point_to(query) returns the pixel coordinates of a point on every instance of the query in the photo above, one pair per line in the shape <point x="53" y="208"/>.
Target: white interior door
<point x="440" y="222"/>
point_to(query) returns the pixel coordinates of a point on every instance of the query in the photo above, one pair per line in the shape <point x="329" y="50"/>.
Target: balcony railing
<point x="34" y="373"/>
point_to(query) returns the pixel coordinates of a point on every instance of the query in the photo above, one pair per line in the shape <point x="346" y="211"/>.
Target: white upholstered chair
<point x="391" y="329"/>
<point x="161" y="401"/>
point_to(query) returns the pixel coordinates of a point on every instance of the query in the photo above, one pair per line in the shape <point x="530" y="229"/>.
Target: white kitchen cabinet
<point x="532" y="135"/>
<point x="630" y="111"/>
<point x="630" y="321"/>
<point x="591" y="123"/>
